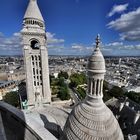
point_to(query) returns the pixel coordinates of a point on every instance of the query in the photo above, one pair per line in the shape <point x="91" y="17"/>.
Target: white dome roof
<point x="96" y="61"/>
<point x="33" y="11"/>
<point x="92" y="120"/>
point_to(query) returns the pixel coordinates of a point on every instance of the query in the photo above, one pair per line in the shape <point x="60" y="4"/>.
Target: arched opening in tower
<point x="35" y="44"/>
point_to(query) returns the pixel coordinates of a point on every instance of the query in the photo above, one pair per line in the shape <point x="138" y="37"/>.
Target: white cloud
<point x="54" y="45"/>
<point x="51" y="39"/>
<point x="128" y="25"/>
<point x="121" y="46"/>
<point x="12" y="45"/>
<point x="115" y="44"/>
<point x="118" y="9"/>
<point x="79" y="47"/>
<point x="74" y="49"/>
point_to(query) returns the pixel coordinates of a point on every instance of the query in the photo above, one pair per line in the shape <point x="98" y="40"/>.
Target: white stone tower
<point x="35" y="56"/>
<point x="92" y="119"/>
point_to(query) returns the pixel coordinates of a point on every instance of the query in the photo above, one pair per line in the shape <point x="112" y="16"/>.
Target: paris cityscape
<point x="63" y="86"/>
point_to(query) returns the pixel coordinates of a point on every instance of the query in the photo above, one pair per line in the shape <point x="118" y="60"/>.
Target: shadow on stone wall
<point x="12" y="127"/>
<point x="55" y="129"/>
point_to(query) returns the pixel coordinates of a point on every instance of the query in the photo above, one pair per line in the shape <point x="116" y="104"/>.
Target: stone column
<point x="29" y="76"/>
<point x="45" y="75"/>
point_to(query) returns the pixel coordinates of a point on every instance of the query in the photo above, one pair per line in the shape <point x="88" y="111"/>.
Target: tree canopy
<point x="63" y="74"/>
<point x="77" y="79"/>
<point x="133" y="96"/>
<point x="12" y="98"/>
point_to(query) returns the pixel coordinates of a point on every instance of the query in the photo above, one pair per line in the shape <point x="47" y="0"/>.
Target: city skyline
<point x="73" y="25"/>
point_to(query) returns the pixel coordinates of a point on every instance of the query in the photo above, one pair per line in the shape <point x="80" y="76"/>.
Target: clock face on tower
<point x="35" y="44"/>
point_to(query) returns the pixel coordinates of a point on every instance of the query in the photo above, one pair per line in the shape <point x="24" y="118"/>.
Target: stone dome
<point x="92" y="119"/>
<point x="96" y="61"/>
<point x="33" y="11"/>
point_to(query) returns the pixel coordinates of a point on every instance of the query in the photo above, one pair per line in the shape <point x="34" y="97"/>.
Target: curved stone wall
<point x="19" y="126"/>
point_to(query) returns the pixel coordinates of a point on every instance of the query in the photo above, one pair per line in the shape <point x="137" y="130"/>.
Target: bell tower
<point x="35" y="56"/>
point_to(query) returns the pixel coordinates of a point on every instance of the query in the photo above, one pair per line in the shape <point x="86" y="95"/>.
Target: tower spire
<point x="33" y="11"/>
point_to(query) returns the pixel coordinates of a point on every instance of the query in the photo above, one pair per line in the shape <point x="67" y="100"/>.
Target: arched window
<point x="34" y="44"/>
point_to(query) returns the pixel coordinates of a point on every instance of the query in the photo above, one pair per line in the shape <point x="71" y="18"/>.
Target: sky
<point x="72" y="26"/>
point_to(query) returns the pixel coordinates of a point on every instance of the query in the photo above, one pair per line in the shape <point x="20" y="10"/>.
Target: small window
<point x="39" y="64"/>
<point x="32" y="57"/>
<point x="34" y="71"/>
<point x="39" y="57"/>
<point x="37" y="71"/>
<point x="35" y="57"/>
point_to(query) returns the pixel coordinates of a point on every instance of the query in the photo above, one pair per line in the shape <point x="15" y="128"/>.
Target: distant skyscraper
<point x="35" y="56"/>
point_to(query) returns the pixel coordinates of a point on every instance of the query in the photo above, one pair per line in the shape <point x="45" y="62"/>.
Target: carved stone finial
<point x="98" y="41"/>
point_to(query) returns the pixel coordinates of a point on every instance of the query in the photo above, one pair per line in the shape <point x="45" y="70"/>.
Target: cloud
<point x="128" y="25"/>
<point x="132" y="47"/>
<point x="118" y="9"/>
<point x="121" y="46"/>
<point x="115" y="44"/>
<point x="113" y="48"/>
<point x="51" y="39"/>
<point x="12" y="45"/>
<point x="74" y="49"/>
<point x="79" y="47"/>
<point x="55" y="46"/>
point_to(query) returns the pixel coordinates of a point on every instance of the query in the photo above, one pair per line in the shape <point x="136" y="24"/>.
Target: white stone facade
<point x="35" y="56"/>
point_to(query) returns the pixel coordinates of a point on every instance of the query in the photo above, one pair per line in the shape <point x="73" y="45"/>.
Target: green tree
<point x="51" y="78"/>
<point x="60" y="88"/>
<point x="63" y="93"/>
<point x="82" y="93"/>
<point x="55" y="90"/>
<point x="106" y="96"/>
<point x="12" y="98"/>
<point x="133" y="96"/>
<point x="77" y="79"/>
<point x="61" y="82"/>
<point x="116" y="92"/>
<point x="63" y="74"/>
